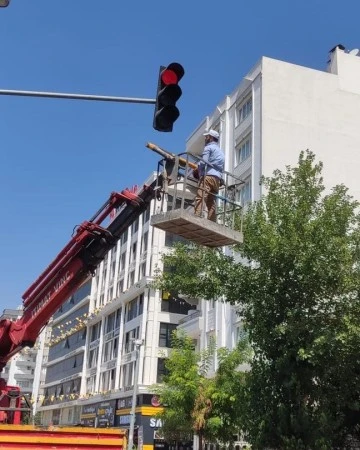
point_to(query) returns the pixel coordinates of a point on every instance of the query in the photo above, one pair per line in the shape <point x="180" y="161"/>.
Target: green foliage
<point x="179" y="388"/>
<point x="299" y="296"/>
<point x="195" y="403"/>
<point x="228" y="394"/>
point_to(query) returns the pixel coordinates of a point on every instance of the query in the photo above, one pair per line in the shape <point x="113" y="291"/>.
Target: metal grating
<point x="196" y="229"/>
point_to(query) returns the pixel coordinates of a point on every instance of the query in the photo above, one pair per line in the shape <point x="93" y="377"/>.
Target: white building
<point x="277" y="110"/>
<point x="63" y="361"/>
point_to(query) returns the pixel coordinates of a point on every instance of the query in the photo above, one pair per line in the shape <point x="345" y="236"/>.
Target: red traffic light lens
<point x="169" y="77"/>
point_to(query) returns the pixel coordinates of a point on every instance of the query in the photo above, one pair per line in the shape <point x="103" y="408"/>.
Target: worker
<point x="210" y="172"/>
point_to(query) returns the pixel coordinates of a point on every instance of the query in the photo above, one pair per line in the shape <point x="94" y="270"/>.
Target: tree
<point x="195" y="403"/>
<point x="298" y="287"/>
<point x="228" y="395"/>
<point x="182" y="384"/>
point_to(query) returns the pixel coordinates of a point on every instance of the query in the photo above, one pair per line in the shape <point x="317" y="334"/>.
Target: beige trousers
<point x="208" y="186"/>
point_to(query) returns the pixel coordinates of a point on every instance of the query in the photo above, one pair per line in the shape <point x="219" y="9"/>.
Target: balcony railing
<point x="194" y="315"/>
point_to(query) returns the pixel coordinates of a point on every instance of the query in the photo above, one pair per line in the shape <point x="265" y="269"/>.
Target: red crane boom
<point x="70" y="268"/>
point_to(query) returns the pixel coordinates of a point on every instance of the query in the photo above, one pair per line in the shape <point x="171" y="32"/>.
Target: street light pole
<point x="138" y="343"/>
<point x="70" y="96"/>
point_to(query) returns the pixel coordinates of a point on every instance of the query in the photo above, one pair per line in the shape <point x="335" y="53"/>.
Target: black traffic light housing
<point x="168" y="93"/>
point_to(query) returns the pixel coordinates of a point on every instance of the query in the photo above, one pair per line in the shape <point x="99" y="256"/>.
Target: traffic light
<point x="168" y="93"/>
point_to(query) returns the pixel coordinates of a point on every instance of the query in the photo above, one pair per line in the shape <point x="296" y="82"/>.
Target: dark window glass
<point x="161" y="370"/>
<point x="166" y="330"/>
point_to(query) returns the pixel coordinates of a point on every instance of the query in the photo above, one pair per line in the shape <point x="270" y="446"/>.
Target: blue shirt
<point x="214" y="156"/>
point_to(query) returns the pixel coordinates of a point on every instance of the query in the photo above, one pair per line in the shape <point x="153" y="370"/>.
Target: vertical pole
<point x="137" y="344"/>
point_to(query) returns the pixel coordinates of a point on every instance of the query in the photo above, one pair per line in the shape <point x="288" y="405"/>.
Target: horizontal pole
<point x="167" y="155"/>
<point x="99" y="98"/>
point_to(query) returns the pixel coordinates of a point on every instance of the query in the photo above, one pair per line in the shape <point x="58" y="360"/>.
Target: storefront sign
<point x="155" y="422"/>
<point x="124" y="403"/>
<point x="88" y="416"/>
<point x="98" y="415"/>
<point x="125" y="419"/>
<point x="105" y="414"/>
<point x="155" y="401"/>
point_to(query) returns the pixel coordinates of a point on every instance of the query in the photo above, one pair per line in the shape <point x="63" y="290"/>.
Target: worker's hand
<point x="196" y="174"/>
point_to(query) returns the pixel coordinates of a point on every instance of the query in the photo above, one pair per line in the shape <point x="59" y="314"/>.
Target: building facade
<point x="65" y="359"/>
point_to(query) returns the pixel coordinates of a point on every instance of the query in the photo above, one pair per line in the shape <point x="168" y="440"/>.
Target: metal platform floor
<point x="196" y="229"/>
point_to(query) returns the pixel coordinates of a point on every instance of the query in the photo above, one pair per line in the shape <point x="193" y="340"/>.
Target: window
<point x="166" y="330"/>
<point x="243" y="150"/>
<point x="110" y="320"/>
<point x="114" y="348"/>
<point x="128" y="371"/>
<point x="124" y="237"/>
<point x="95" y="332"/>
<point x="110" y="350"/>
<point x="112" y="270"/>
<point x="161" y="370"/>
<point x="83" y="334"/>
<point x="102" y="300"/>
<point x="245" y="110"/>
<point x="142" y="270"/>
<point x="68" y="388"/>
<point x="240" y="333"/>
<point x="144" y="242"/>
<point x="59" y="390"/>
<point x="107" y="380"/>
<point x="117" y="319"/>
<point x="146" y="215"/>
<point x="131" y="277"/>
<point x="245" y="193"/>
<point x="90" y="384"/>
<point x="76" y="386"/>
<point x="122" y="261"/>
<point x="106" y="355"/>
<point x="120" y="287"/>
<point x="141" y="303"/>
<point x="103" y="279"/>
<point x="130" y="336"/>
<point x="56" y="417"/>
<point x="135" y="226"/>
<point x="66" y="343"/>
<point x="133" y="252"/>
<point x="131" y="310"/>
<point x="93" y="357"/>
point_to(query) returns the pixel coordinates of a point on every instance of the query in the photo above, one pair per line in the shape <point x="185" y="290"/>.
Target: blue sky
<point x="60" y="159"/>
